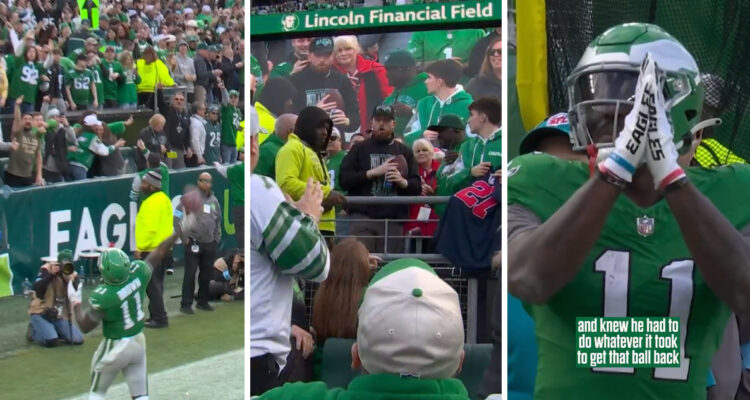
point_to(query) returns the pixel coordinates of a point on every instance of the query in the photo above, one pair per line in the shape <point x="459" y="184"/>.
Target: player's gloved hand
<point x="74" y="294"/>
<point x="630" y="144"/>
<point x="661" y="155"/>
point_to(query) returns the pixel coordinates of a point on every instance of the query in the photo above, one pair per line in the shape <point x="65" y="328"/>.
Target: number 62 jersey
<point x="121" y="306"/>
<point x="639" y="267"/>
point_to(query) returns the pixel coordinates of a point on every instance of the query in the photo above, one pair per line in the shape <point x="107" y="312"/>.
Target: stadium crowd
<point x="344" y="116"/>
<point x="61" y="74"/>
<point x="280" y="7"/>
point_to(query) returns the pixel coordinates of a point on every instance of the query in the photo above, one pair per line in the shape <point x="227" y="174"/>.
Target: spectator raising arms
<point x="25" y="151"/>
<point x="89" y="146"/>
<point x="368" y="77"/>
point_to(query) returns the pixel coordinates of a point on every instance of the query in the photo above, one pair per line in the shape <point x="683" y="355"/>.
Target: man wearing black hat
<point x="380" y="166"/>
<point x="408" y="87"/>
<point x="318" y="79"/>
<point x="206" y="76"/>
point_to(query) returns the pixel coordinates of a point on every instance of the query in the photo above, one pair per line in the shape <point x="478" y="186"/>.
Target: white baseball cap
<point x="410" y="323"/>
<point x="206" y="8"/>
<point x="192" y="23"/>
<point x="91" y="120"/>
<point x="188" y="10"/>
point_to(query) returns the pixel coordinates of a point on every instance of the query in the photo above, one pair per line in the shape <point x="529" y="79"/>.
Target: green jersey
<point x="442" y="45"/>
<point x="231" y="117"/>
<point x="24" y="80"/>
<point x="97" y="71"/>
<point x="80" y="87"/>
<point x="84" y="156"/>
<point x="121" y="306"/>
<point x="212" y="151"/>
<point x="127" y="93"/>
<point x="267" y="156"/>
<point x="640" y="266"/>
<point x="111" y="85"/>
<point x="409" y="95"/>
<point x="236" y="176"/>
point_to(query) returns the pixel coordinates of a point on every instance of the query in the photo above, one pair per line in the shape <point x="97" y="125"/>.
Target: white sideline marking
<point x="197" y="380"/>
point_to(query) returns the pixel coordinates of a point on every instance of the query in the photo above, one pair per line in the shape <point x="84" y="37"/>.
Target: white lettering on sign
<point x="56" y="235"/>
<point x="119" y="230"/>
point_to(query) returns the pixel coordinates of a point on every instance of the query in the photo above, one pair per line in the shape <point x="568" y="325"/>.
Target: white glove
<point x="630" y="144"/>
<point x="661" y="156"/>
<point x="75" y="295"/>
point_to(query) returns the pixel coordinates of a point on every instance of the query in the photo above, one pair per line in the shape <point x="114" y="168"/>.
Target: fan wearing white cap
<point x="279" y="255"/>
<point x="410" y="339"/>
<point x="89" y="146"/>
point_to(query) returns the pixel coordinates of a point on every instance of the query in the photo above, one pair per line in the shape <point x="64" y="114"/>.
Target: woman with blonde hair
<point x="368" y="78"/>
<point x="489" y="80"/>
<point x="420" y="214"/>
<point x="127" y="93"/>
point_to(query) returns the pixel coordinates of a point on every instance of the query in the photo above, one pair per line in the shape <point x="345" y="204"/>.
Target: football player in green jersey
<point x="117" y="304"/>
<point x="644" y="235"/>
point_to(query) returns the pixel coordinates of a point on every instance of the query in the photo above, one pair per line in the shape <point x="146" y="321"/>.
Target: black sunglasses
<point x="495" y="52"/>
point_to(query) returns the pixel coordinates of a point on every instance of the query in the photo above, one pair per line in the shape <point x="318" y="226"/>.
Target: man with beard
<point x="408" y="87"/>
<point x="296" y="61"/>
<point x="318" y="80"/>
<point x="370" y="169"/>
<point x="301" y="158"/>
<point x="178" y="132"/>
<point x="25" y="152"/>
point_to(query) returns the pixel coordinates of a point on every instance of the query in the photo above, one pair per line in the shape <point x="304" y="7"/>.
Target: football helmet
<point x="114" y="265"/>
<point x="601" y="88"/>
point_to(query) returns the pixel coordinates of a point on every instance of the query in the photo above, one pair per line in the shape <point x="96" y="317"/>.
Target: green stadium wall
<point x="80" y="216"/>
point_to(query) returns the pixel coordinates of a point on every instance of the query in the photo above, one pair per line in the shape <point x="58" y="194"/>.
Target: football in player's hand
<point x="400" y="162"/>
<point x="192" y="201"/>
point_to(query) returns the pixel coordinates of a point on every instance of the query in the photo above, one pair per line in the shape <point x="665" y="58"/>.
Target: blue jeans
<point x="228" y="154"/>
<point x="78" y="173"/>
<point x="46" y="333"/>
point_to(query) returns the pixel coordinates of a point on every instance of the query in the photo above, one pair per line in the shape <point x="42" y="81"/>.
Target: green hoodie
<point x="373" y="387"/>
<point x="430" y="109"/>
<point x="473" y="151"/>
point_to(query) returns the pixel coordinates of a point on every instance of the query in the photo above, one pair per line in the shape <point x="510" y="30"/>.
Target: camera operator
<point x="228" y="277"/>
<point x="49" y="308"/>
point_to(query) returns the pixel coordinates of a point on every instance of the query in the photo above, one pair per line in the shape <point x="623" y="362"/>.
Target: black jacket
<point x="480" y="86"/>
<point x="203" y="72"/>
<point x="178" y="129"/>
<point x="370" y="154"/>
<point x="153" y="142"/>
<point x="313" y="87"/>
<point x="229" y="73"/>
<point x="56" y="146"/>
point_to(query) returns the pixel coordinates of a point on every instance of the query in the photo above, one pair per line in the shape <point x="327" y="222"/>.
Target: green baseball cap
<point x="64" y="256"/>
<point x="234" y="93"/>
<point x="202" y="46"/>
<point x="448" y="121"/>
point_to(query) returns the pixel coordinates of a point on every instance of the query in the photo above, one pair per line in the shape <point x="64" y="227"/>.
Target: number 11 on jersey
<point x="615" y="265"/>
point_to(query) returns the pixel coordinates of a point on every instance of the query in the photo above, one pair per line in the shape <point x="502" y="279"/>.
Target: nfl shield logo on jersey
<point x="645" y="225"/>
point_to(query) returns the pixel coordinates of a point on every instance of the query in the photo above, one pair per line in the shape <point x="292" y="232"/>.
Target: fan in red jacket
<point x="421" y="214"/>
<point x="367" y="77"/>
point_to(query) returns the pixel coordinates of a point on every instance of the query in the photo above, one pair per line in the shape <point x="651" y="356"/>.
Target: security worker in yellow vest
<point x="49" y="308"/>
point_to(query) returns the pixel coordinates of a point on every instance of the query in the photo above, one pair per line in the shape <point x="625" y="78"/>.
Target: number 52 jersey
<point x="121" y="306"/>
<point x="639" y="267"/>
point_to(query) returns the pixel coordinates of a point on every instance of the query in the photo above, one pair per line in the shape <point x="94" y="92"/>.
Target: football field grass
<point x="196" y="354"/>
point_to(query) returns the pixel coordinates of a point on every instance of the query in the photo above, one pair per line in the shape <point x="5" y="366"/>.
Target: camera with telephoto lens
<point x="68" y="268"/>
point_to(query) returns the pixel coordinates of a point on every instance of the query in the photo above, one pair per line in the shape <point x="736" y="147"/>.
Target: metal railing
<point x="466" y="287"/>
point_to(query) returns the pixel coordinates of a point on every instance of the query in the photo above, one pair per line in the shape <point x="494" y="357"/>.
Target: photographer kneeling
<point x="49" y="308"/>
<point x="228" y="277"/>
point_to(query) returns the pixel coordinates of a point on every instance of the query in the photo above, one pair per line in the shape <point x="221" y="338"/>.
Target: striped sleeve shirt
<point x="288" y="237"/>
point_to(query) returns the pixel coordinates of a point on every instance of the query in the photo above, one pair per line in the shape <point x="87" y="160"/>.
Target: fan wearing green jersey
<point x="25" y="73"/>
<point x="644" y="235"/>
<point x="80" y="86"/>
<point x="117" y="304"/>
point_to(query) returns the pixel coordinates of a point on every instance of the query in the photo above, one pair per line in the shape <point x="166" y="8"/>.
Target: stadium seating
<point x="336" y="368"/>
